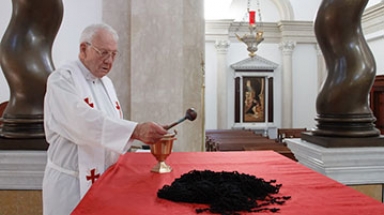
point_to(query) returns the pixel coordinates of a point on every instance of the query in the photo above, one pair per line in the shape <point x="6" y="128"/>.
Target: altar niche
<point x="253" y="98"/>
<point x="254" y="94"/>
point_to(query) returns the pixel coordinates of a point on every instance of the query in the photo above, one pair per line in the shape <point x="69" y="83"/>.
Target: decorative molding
<point x="222" y="46"/>
<point x="255" y="63"/>
<point x="22" y="170"/>
<point x="287" y="47"/>
<point x="217" y="29"/>
<point x="299" y="31"/>
<point x="373" y="19"/>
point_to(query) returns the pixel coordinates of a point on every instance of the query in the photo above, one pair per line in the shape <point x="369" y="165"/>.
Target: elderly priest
<point x="84" y="123"/>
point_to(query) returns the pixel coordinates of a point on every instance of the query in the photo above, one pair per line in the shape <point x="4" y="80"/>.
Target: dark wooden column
<point x="344" y="115"/>
<point x="25" y="57"/>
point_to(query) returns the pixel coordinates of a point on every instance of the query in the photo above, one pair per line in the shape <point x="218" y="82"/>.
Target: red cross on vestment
<point x="93" y="177"/>
<point x="118" y="108"/>
<point x="87" y="100"/>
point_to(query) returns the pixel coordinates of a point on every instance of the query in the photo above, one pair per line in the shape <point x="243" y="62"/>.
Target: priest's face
<point x="98" y="56"/>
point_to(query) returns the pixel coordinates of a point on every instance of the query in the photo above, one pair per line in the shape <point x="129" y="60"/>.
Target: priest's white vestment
<point x="85" y="131"/>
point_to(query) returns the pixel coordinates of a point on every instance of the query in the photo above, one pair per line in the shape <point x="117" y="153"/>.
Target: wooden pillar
<point x="25" y="57"/>
<point x="344" y="116"/>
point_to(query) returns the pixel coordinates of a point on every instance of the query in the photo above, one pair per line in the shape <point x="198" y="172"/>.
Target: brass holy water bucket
<point x="161" y="150"/>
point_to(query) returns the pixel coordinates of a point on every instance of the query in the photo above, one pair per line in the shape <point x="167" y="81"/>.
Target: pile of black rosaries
<point x="226" y="193"/>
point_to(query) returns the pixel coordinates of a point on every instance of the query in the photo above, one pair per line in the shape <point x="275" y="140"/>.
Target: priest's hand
<point x="148" y="132"/>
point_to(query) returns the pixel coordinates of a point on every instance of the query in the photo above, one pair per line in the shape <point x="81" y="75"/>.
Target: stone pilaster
<point x="287" y="48"/>
<point x="222" y="92"/>
<point x="158" y="76"/>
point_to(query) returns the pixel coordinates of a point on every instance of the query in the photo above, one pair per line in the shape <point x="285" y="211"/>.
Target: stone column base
<point x="347" y="165"/>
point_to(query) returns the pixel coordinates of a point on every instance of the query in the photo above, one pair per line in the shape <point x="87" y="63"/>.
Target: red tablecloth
<point x="130" y="188"/>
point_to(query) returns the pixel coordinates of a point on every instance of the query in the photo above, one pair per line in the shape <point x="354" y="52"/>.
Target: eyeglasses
<point x="104" y="53"/>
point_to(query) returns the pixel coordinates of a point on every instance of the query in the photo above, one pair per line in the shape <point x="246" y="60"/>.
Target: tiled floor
<point x="19" y="202"/>
<point x="373" y="190"/>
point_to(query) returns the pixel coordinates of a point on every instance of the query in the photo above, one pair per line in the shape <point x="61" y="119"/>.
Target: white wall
<point x="210" y="86"/>
<point x="77" y="15"/>
<point x="5" y="16"/>
<point x="305" y="86"/>
<point x="305" y="10"/>
<point x="376" y="44"/>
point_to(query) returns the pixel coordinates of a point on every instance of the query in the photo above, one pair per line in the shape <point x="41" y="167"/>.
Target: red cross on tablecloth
<point x="93" y="177"/>
<point x="88" y="101"/>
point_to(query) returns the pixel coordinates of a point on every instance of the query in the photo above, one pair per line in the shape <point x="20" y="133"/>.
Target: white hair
<point x="90" y="31"/>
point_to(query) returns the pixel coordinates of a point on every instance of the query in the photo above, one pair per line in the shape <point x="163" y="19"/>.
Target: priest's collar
<point x="85" y="71"/>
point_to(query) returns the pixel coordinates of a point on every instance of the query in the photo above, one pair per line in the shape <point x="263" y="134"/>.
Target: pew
<point x="212" y="135"/>
<point x="2" y="108"/>
<point x="239" y="144"/>
<point x="279" y="148"/>
<point x="283" y="133"/>
<point x="232" y="140"/>
<point x="243" y="140"/>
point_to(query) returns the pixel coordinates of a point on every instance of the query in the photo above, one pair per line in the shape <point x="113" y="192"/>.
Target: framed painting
<point x="253" y="99"/>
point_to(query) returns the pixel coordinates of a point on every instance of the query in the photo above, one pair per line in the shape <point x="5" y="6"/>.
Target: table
<point x="128" y="187"/>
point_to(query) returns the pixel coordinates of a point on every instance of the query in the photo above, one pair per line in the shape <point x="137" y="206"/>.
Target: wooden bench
<point x="283" y="133"/>
<point x="279" y="148"/>
<point x="226" y="131"/>
<point x="211" y="136"/>
<point x="240" y="140"/>
<point x="2" y="108"/>
<point x="238" y="145"/>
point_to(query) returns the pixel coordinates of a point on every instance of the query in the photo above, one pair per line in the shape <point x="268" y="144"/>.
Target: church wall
<point x="310" y="9"/>
<point x="210" y="86"/>
<point x="66" y="44"/>
<point x="193" y="138"/>
<point x="118" y="16"/>
<point x="304" y="87"/>
<point x="5" y="16"/>
<point x="377" y="47"/>
<point x="162" y="75"/>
